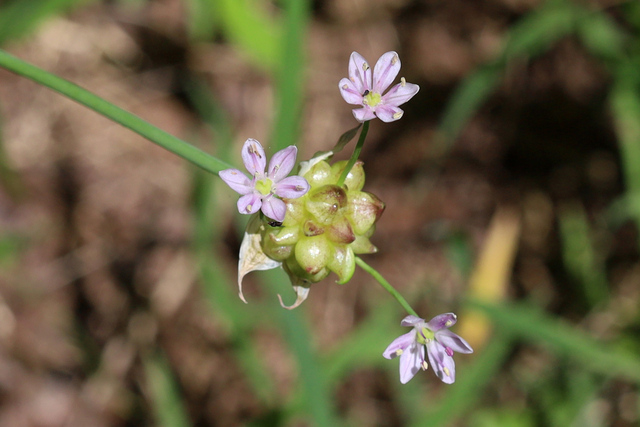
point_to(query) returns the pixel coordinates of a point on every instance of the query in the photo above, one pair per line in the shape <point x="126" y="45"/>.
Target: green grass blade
<point x="532" y="325"/>
<point x="290" y="87"/>
<point x="112" y="112"/>
<point x="247" y="24"/>
<point x="315" y="395"/>
<point x="579" y="254"/>
<point x="624" y="99"/>
<point x="165" y="393"/>
<point x="535" y="34"/>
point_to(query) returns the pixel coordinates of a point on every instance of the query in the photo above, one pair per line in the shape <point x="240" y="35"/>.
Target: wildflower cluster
<point x="317" y="222"/>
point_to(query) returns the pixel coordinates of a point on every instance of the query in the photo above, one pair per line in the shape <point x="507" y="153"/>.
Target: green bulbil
<point x="326" y="228"/>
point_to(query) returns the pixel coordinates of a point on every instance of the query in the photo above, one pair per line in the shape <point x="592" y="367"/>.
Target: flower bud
<point x="326" y="203"/>
<point x="363" y="210"/>
<point x="312" y="253"/>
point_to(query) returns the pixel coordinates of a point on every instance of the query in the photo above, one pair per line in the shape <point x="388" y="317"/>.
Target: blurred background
<point x="512" y="186"/>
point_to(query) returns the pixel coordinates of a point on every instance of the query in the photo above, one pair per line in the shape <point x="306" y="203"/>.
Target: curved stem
<point x="355" y="155"/>
<point x="386" y="285"/>
<point x="117" y="114"/>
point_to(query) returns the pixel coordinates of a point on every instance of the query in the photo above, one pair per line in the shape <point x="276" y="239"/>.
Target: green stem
<point x="355" y="155"/>
<point x="117" y="114"/>
<point x="386" y="285"/>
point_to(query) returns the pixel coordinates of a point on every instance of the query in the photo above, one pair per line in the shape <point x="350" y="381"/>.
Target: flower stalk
<point x="355" y="155"/>
<point x="386" y="285"/>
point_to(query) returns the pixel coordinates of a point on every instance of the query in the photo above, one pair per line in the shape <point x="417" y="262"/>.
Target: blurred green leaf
<point x="203" y="19"/>
<point x="363" y="347"/>
<point x="579" y="254"/>
<point x="315" y="396"/>
<point x="533" y="35"/>
<point x="165" y="393"/>
<point x="18" y="18"/>
<point x="624" y="99"/>
<point x="600" y="34"/>
<point x="248" y="25"/>
<point x="290" y="73"/>
<point x="531" y="324"/>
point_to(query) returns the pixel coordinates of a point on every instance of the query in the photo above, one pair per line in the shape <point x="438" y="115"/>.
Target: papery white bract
<point x="266" y="188"/>
<point x="363" y="88"/>
<point x="439" y="342"/>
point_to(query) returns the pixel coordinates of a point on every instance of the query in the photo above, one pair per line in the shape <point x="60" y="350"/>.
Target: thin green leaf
<point x="112" y="112"/>
<point x="579" y="254"/>
<point x="247" y="24"/>
<point x="165" y="394"/>
<point x="534" y="326"/>
<point x="290" y="84"/>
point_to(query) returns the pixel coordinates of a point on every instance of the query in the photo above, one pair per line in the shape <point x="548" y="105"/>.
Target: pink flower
<point x="361" y="89"/>
<point x="440" y="343"/>
<point x="265" y="189"/>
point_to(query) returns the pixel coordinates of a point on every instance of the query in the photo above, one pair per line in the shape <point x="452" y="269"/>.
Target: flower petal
<point x="253" y="157"/>
<point x="282" y="163"/>
<point x="442" y="321"/>
<point x="250" y="203"/>
<point x="364" y="114"/>
<point x="385" y="71"/>
<point x="237" y="181"/>
<point x="411" y="320"/>
<point x="274" y="208"/>
<point x="400" y="93"/>
<point x="411" y="362"/>
<point x="443" y="365"/>
<point x="292" y="187"/>
<point x="359" y="72"/>
<point x="389" y="113"/>
<point x="400" y="343"/>
<point x="453" y="341"/>
<point x="350" y="92"/>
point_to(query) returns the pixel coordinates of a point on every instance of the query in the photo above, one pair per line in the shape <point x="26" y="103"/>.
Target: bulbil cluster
<point x="323" y="230"/>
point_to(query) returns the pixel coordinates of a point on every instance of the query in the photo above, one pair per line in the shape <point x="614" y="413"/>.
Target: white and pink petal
<point x="400" y="93"/>
<point x="282" y="163"/>
<point x="250" y="203"/>
<point x="364" y="114"/>
<point x="359" y="72"/>
<point x="385" y="71"/>
<point x="253" y="157"/>
<point x="349" y="92"/>
<point x="237" y="181"/>
<point x="389" y="113"/>
<point x="292" y="187"/>
<point x="274" y="208"/>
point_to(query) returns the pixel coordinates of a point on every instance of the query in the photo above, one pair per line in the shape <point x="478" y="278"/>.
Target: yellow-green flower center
<point x="424" y="336"/>
<point x="264" y="186"/>
<point x="372" y="99"/>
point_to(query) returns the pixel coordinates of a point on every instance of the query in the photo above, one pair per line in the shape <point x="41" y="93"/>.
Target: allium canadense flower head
<point x="322" y="232"/>
<point x="439" y="342"/>
<point x="266" y="188"/>
<point x="363" y="88"/>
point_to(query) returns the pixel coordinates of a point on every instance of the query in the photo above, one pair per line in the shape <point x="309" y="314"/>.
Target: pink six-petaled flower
<point x="361" y="88"/>
<point x="440" y="343"/>
<point x="265" y="189"/>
